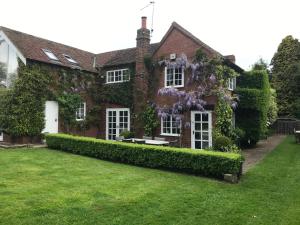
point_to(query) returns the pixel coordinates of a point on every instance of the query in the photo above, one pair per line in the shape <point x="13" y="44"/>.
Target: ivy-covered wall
<point x="116" y="93"/>
<point x="22" y="106"/>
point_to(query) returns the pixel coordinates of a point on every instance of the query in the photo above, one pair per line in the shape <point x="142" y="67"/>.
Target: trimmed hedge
<point x="257" y="79"/>
<point x="251" y="114"/>
<point x="201" y="162"/>
<point x="252" y="98"/>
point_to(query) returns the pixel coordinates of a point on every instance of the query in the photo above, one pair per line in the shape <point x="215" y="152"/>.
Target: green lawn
<point x="40" y="186"/>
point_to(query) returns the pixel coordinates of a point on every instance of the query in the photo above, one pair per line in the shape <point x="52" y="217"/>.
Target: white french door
<point x="117" y="120"/>
<point x="201" y="129"/>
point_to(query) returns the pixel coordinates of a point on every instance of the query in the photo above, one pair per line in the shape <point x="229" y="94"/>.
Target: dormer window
<point x="50" y="54"/>
<point x="70" y="59"/>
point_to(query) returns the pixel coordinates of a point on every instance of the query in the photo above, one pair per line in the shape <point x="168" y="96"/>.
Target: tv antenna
<point x="150" y="4"/>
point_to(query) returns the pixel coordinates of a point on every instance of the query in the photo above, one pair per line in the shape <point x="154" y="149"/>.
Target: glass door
<point x="117" y="120"/>
<point x="201" y="129"/>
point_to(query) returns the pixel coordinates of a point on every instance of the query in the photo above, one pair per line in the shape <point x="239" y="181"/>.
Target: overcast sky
<point x="249" y="29"/>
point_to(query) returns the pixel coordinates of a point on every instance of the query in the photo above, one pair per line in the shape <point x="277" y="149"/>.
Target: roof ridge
<point x="44" y="39"/>
<point x="123" y="49"/>
<point x="194" y="37"/>
<point x="188" y="34"/>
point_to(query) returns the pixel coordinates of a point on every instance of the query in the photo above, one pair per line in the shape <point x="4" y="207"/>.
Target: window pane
<point x="125" y="75"/>
<point x="205" y="136"/>
<point x="197" y="135"/>
<point x="204" y="117"/>
<point x="204" y="144"/>
<point x="197" y="126"/>
<point x="204" y="126"/>
<point x="198" y="144"/>
<point x="198" y="117"/>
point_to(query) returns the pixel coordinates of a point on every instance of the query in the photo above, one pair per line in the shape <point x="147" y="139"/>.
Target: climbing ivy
<point x="22" y="106"/>
<point x="68" y="104"/>
<point x="150" y="120"/>
<point x="115" y="93"/>
<point x="223" y="123"/>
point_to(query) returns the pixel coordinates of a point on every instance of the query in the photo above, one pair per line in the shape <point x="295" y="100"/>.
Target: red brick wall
<point x="177" y="43"/>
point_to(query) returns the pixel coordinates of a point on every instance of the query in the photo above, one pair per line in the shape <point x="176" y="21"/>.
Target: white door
<point x="1" y="136"/>
<point x="117" y="120"/>
<point x="51" y="117"/>
<point x="201" y="128"/>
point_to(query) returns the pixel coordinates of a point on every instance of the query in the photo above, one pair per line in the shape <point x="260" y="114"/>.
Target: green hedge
<point x="200" y="162"/>
<point x="251" y="115"/>
<point x="250" y="98"/>
<point x="257" y="79"/>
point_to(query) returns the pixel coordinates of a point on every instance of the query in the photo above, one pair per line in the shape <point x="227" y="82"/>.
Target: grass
<point x="41" y="186"/>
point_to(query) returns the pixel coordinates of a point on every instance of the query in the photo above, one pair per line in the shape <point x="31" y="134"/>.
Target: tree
<point x="284" y="72"/>
<point x="261" y="64"/>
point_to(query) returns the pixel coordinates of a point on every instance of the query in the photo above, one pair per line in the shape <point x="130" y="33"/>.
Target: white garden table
<point x="297" y="135"/>
<point x="149" y="142"/>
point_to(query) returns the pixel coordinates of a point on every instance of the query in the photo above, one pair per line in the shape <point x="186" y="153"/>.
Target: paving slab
<point x="263" y="147"/>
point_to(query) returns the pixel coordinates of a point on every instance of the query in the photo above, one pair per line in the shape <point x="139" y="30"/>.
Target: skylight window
<point x="70" y="59"/>
<point x="50" y="55"/>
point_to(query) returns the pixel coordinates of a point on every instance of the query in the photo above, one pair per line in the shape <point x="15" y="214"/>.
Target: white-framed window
<point x="50" y="54"/>
<point x="81" y="112"/>
<point x="117" y="76"/>
<point x="169" y="126"/>
<point x="174" y="77"/>
<point x="70" y="59"/>
<point x="231" y="83"/>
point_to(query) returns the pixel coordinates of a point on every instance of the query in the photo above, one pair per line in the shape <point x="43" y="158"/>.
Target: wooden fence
<point x="286" y="125"/>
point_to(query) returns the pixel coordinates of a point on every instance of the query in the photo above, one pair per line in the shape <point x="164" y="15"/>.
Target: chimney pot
<point x="144" y="22"/>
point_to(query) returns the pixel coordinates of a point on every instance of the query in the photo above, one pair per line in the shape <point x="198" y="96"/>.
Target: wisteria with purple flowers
<point x="207" y="77"/>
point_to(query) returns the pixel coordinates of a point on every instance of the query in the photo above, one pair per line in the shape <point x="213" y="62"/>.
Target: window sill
<point x="171" y="135"/>
<point x="117" y="82"/>
<point x="177" y="86"/>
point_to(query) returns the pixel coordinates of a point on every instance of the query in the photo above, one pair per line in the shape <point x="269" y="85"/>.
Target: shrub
<point x="251" y="114"/>
<point x="238" y="135"/>
<point x="22" y="106"/>
<point x="201" y="162"/>
<point x="223" y="144"/>
<point x="127" y="134"/>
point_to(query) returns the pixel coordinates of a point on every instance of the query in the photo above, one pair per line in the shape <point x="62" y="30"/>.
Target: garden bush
<point x="127" y="134"/>
<point x="221" y="143"/>
<point x="225" y="144"/>
<point x="201" y="162"/>
<point x="252" y="112"/>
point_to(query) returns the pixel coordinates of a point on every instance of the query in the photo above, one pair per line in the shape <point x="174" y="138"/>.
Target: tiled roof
<point x="31" y="47"/>
<point x="118" y="57"/>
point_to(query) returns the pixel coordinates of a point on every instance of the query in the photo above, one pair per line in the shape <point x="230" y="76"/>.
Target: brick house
<point x="117" y="68"/>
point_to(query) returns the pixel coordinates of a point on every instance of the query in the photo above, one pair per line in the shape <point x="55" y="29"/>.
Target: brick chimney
<point x="231" y="58"/>
<point x="141" y="75"/>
